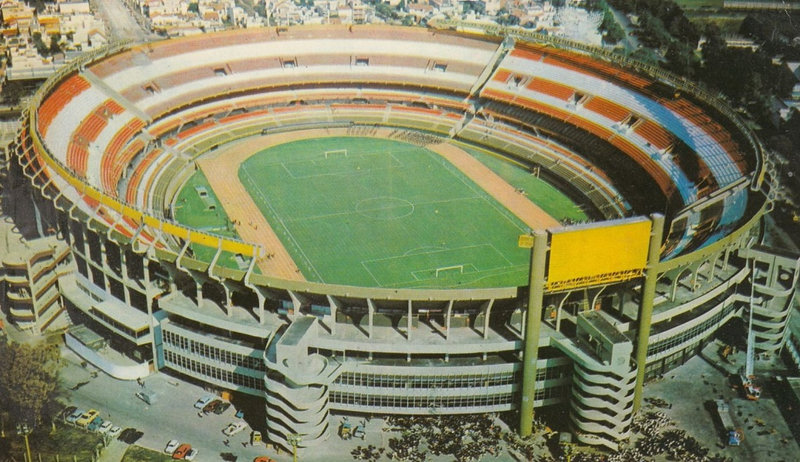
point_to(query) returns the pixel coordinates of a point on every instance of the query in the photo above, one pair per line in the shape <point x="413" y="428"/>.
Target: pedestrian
<point x="226" y="442"/>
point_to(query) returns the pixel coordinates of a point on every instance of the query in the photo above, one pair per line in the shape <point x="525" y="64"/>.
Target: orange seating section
<point x="138" y="173"/>
<point x="607" y="108"/>
<point x="59" y="98"/>
<point x="112" y="164"/>
<point x="696" y="115"/>
<point x="654" y="134"/>
<point x="551" y="88"/>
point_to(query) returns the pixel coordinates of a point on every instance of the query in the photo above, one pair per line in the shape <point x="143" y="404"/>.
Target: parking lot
<point x="171" y="416"/>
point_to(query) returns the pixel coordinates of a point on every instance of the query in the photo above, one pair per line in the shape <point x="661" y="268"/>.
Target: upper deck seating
<point x="59" y="98"/>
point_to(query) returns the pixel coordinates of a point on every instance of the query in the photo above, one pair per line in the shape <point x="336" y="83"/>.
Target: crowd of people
<point x="465" y="437"/>
<point x="479" y="437"/>
<point x="415" y="137"/>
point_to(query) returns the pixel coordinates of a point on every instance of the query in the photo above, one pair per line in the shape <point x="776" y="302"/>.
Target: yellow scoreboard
<point x="599" y="253"/>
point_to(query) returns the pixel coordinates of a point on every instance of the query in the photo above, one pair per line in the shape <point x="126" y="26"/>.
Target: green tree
<point x="194" y="8"/>
<point x="28" y="379"/>
<point x="41" y="48"/>
<point x="55" y="47"/>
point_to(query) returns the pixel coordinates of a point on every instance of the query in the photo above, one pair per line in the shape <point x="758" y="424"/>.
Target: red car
<point x="211" y="406"/>
<point x="180" y="453"/>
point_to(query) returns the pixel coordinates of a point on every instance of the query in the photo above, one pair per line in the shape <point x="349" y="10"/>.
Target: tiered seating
<point x="527" y="52"/>
<point x="551" y="88"/>
<point x="654" y="134"/>
<point x="111" y="176"/>
<point x="607" y="108"/>
<point x="136" y="177"/>
<point x="112" y="164"/>
<point x="196" y="129"/>
<point x="62" y="95"/>
<point x="78" y="155"/>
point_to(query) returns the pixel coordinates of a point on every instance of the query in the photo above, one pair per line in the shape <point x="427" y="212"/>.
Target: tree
<point x="28" y="381"/>
<point x="194" y="8"/>
<point x="55" y="46"/>
<point x="41" y="48"/>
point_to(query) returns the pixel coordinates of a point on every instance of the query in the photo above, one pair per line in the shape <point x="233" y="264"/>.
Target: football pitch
<point x="383" y="213"/>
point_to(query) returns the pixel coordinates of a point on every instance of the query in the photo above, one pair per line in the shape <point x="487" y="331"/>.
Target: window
<point x="220" y="72"/>
<point x="288" y="63"/>
<point x="362" y="61"/>
<point x="439" y="67"/>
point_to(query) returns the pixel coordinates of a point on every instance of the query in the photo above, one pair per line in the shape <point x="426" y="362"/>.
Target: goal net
<point x="455" y="269"/>
<point x="336" y="153"/>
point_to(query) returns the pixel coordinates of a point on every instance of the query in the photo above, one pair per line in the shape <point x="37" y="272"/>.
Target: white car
<point x="191" y="454"/>
<point x="115" y="431"/>
<point x="233" y="428"/>
<point x="105" y="427"/>
<point x="171" y="446"/>
<point x="201" y="403"/>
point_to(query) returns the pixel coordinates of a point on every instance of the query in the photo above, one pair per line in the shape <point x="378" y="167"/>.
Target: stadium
<point x="385" y="220"/>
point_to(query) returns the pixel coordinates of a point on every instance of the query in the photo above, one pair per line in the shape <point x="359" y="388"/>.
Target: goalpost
<point x="459" y="268"/>
<point x="336" y="152"/>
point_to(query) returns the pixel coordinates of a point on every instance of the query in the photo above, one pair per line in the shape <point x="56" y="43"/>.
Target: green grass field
<point x="546" y="196"/>
<point x="387" y="214"/>
<point x="204" y="215"/>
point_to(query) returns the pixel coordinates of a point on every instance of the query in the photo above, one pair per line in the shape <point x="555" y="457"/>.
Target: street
<point x="120" y="20"/>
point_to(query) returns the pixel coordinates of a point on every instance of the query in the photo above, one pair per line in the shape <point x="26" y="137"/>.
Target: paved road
<point x="171" y="417"/>
<point x="120" y="20"/>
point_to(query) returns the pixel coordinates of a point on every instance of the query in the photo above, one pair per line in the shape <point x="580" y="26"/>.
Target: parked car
<point x="76" y="414"/>
<point x="201" y="403"/>
<point x="105" y="427"/>
<point x="191" y="454"/>
<point x="68" y="411"/>
<point x="233" y="428"/>
<point x="181" y="452"/>
<point x="115" y="431"/>
<point x="87" y="417"/>
<point x="172" y="446"/>
<point x="222" y="407"/>
<point x="263" y="459"/>
<point x="211" y="406"/>
<point x="95" y="424"/>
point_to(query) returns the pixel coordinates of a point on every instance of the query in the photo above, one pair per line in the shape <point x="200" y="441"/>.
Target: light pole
<point x="294" y="439"/>
<point x="24" y="430"/>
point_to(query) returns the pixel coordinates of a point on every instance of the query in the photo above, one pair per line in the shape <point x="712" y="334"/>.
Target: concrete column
<point x="448" y="315"/>
<point x="370" y="315"/>
<point x="646" y="308"/>
<point x="532" y="326"/>
<point x="408" y="322"/>
<point x="486" y="313"/>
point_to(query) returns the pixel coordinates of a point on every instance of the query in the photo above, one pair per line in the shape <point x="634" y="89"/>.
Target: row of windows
<point x="174" y="359"/>
<point x="695" y="331"/>
<point x="420" y="402"/>
<point x="213" y="353"/>
<point x="120" y="327"/>
<point x="406" y="381"/>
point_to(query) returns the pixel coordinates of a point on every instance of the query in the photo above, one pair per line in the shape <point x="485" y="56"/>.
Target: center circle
<point x="385" y="208"/>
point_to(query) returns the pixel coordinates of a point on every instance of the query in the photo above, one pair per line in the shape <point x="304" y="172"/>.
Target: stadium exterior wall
<point x="311" y="348"/>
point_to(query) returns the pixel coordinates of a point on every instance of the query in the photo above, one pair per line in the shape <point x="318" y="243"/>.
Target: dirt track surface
<point x="517" y="203"/>
<point x="221" y="169"/>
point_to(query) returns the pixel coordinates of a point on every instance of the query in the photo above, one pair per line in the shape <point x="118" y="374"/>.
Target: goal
<point x="450" y="269"/>
<point x="336" y="152"/>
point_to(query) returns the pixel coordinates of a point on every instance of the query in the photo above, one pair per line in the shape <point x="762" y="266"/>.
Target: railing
<point x="123" y="208"/>
<point x="717" y="101"/>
